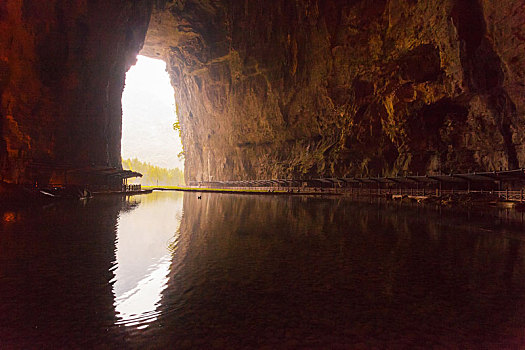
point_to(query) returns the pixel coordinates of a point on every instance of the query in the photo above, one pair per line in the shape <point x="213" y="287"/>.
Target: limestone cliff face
<point x="62" y="69"/>
<point x="306" y="88"/>
<point x="270" y="89"/>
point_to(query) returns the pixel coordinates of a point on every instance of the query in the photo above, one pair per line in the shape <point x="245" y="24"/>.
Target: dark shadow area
<point x="259" y="272"/>
<point x="317" y="273"/>
<point x="55" y="272"/>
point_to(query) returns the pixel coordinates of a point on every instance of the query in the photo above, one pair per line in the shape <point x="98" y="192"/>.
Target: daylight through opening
<point x="150" y="145"/>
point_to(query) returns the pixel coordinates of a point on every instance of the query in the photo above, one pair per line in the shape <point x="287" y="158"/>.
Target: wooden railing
<point x="510" y="195"/>
<point x="131" y="188"/>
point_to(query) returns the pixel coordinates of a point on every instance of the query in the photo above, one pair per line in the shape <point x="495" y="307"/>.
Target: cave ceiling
<point x="272" y="89"/>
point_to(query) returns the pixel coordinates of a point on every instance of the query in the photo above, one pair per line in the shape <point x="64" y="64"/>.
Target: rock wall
<point x="269" y="89"/>
<point x="62" y="69"/>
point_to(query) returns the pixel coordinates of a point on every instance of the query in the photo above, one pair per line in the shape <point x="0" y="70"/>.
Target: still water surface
<point x="168" y="270"/>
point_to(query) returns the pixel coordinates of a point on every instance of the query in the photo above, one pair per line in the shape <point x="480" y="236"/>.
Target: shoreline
<point x="458" y="200"/>
<point x="242" y="191"/>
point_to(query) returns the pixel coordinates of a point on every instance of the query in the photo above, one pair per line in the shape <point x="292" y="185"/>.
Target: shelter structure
<point x="94" y="178"/>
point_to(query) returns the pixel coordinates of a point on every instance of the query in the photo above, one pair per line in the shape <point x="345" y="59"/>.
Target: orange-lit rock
<point x="62" y="67"/>
<point x="272" y="88"/>
<point x="282" y="88"/>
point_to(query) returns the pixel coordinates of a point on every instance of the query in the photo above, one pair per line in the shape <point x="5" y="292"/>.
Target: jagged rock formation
<point x="307" y="88"/>
<point x="272" y="88"/>
<point x="62" y="70"/>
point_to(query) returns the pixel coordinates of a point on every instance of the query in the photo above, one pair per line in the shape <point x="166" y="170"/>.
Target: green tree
<point x="153" y="175"/>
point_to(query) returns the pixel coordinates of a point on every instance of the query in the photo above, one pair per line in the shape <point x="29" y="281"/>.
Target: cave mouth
<point x="148" y="116"/>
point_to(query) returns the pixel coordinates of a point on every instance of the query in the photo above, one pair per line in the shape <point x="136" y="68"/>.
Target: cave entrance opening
<point x="150" y="145"/>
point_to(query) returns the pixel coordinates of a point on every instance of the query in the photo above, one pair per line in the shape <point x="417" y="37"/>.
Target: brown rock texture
<point x="270" y="89"/>
<point x="62" y="70"/>
<point x="332" y="88"/>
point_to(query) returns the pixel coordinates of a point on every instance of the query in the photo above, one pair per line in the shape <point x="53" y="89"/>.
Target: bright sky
<point x="148" y="114"/>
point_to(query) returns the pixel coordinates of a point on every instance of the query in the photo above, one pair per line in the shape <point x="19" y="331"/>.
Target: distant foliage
<point x="154" y="175"/>
<point x="177" y="127"/>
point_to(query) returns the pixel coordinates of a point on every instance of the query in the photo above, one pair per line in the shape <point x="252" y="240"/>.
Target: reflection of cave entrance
<point x="148" y="116"/>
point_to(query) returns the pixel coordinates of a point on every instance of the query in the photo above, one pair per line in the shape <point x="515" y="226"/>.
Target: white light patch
<point x="143" y="258"/>
<point x="148" y="114"/>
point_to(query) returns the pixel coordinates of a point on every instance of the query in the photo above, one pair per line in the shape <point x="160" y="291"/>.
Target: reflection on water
<point x="229" y="271"/>
<point x="143" y="257"/>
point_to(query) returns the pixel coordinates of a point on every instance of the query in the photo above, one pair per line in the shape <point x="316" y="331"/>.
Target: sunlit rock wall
<point x="306" y="88"/>
<point x="62" y="69"/>
<point x="270" y="88"/>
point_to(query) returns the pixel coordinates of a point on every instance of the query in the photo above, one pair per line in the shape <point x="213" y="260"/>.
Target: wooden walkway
<point x="255" y="191"/>
<point x="508" y="185"/>
<point x="126" y="193"/>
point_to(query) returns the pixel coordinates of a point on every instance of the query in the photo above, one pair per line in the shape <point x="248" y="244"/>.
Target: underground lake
<point x="172" y="270"/>
<point x="353" y="174"/>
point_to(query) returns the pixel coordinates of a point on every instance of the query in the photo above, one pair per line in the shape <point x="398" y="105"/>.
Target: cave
<point x="273" y="90"/>
<point x="367" y="101"/>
